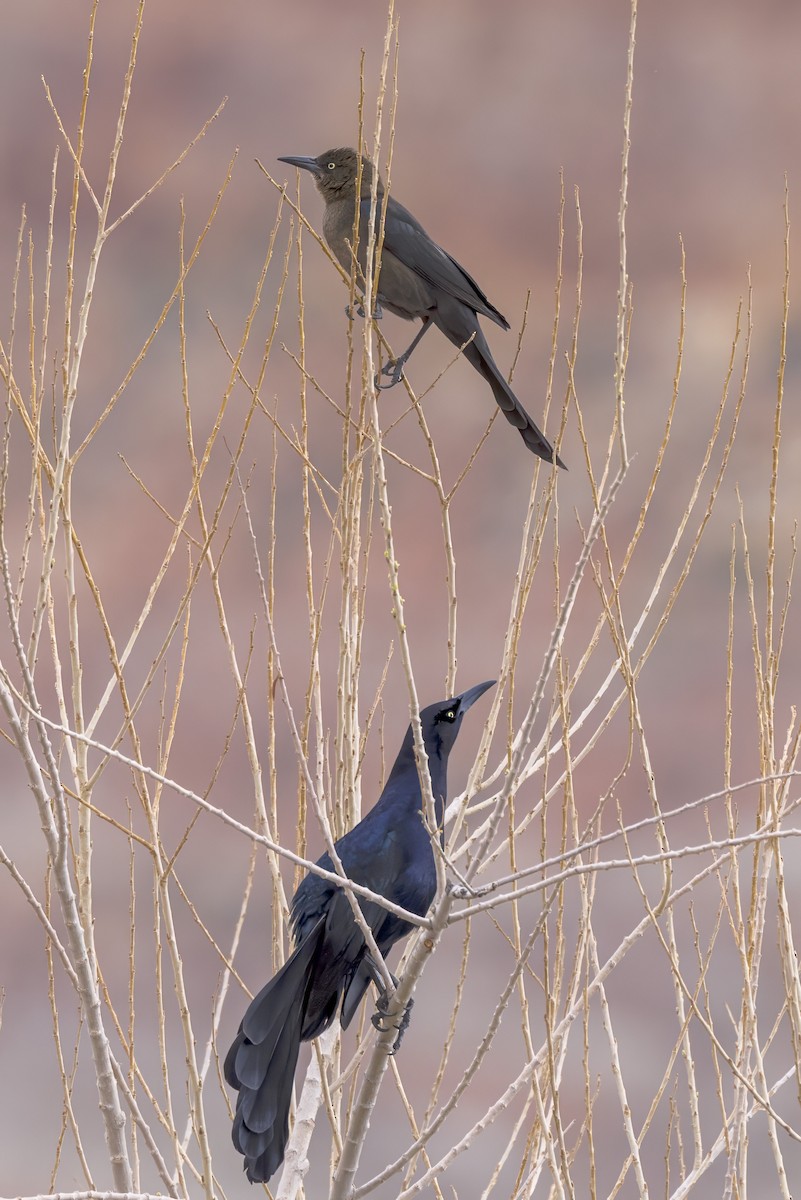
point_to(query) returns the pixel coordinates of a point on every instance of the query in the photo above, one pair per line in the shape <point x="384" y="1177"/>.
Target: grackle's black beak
<point x="303" y="162"/>
<point x="472" y="694"/>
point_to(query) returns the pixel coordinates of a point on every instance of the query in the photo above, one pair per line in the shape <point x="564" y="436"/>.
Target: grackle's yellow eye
<point x="331" y="166"/>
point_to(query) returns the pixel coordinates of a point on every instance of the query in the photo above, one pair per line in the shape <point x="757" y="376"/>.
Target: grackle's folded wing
<point x="405" y="238"/>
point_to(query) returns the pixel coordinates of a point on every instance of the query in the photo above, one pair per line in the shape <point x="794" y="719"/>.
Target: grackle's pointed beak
<point x="469" y="697"/>
<point x="304" y="163"/>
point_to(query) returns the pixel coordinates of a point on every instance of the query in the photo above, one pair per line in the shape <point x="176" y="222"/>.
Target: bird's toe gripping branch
<point x="380" y="1018"/>
<point x="394" y="369"/>
<point x="382" y="1023"/>
<point x="378" y="312"/>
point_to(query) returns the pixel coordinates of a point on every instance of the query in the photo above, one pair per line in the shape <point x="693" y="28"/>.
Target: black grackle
<point x="389" y="852"/>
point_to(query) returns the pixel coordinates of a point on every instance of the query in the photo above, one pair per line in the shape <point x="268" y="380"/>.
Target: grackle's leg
<point x="394" y="368"/>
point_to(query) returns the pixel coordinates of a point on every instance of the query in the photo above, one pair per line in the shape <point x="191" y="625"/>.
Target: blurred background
<point x="495" y="103"/>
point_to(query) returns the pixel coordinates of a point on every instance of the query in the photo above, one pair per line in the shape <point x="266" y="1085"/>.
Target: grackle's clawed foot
<point x="380" y="1016"/>
<point x="393" y="369"/>
<point x="378" y="312"/>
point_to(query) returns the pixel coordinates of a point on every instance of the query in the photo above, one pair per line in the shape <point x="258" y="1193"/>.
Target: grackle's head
<point x="335" y="172"/>
<point x="441" y="722"/>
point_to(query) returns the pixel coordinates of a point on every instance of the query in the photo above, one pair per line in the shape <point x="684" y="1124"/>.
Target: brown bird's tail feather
<point x="459" y="324"/>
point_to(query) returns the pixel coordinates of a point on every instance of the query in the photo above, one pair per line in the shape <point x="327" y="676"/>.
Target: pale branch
<point x="51" y="805"/>
<point x="465" y="892"/>
<point x="90" y="1195"/>
<point x="322" y="816"/>
<point x="72" y="975"/>
<point x="722" y="1144"/>
<point x="633" y="861"/>
<point x="480" y="1054"/>
<point x="296" y="1162"/>
<point x="559" y="1032"/>
<point x="260" y="838"/>
<point x="526" y="730"/>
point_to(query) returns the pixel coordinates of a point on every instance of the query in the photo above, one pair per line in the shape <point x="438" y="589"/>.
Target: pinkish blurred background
<point x="494" y="101"/>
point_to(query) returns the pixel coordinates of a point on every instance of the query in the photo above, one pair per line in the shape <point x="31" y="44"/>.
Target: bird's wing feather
<point x="311" y="901"/>
<point x="405" y="238"/>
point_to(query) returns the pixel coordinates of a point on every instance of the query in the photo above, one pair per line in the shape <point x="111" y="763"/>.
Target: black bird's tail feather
<point x="261" y="1062"/>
